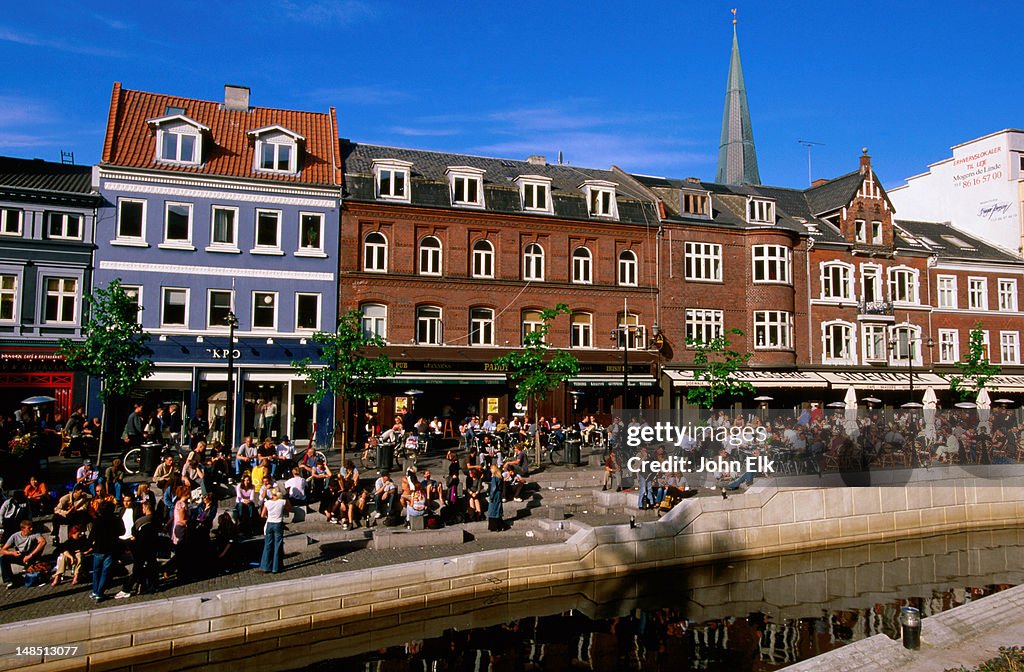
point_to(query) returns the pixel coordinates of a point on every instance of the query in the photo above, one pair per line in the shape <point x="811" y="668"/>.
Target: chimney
<point x="865" y="161"/>
<point x="236" y="97"/>
<point x="537" y="160"/>
<point x="818" y="182"/>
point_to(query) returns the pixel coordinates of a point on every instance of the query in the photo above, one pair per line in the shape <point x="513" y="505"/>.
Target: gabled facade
<point x="47" y="219"/>
<point x="211" y="208"/>
<point x="451" y="258"/>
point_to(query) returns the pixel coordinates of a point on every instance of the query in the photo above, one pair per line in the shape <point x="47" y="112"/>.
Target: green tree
<point x="348" y="369"/>
<point x="538" y="368"/>
<point x="975" y="370"/>
<point x="717" y="366"/>
<point x="114" y="350"/>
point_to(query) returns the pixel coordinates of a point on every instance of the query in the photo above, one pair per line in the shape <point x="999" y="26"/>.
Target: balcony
<point x="875" y="308"/>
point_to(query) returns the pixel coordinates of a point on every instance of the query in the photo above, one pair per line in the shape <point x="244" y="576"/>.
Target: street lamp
<point x="910" y="354"/>
<point x="623" y="331"/>
<point x="229" y="411"/>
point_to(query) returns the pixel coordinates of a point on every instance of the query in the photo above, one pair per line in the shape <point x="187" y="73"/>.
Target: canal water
<point x="758" y="614"/>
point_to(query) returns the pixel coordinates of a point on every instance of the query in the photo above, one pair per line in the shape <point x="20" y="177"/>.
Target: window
<point x="977" y="293"/>
<point x="375" y="320"/>
<point x="264" y="310"/>
<point x="224" y="233"/>
<point x="837" y="281"/>
<point x="134" y="292"/>
<point x="949" y="346"/>
<point x="531" y="322"/>
<point x="481" y="326"/>
<point x="760" y="211"/>
<point x="533" y="262"/>
<point x="466" y="185"/>
<point x="874" y="342"/>
<point x="174" y="307"/>
<point x="430" y="256"/>
<point x="1008" y="295"/>
<point x="375" y="253"/>
<point x="627" y="268"/>
<point x="268" y="232"/>
<point x="947" y="291"/>
<point x="772" y="329"/>
<point x="876" y="233"/>
<point x="601" y="202"/>
<point x="10" y="222"/>
<point x="218" y="308"/>
<point x="903" y="285"/>
<point x="63" y="225"/>
<point x="535" y="196"/>
<point x="59" y="303"/>
<point x="178" y="146"/>
<point x="428" y="325"/>
<point x="307" y="312"/>
<point x="178" y="224"/>
<point x="703" y="326"/>
<point x="871" y="284"/>
<point x="1009" y="347"/>
<point x="695" y="204"/>
<point x="703" y="261"/>
<point x="311" y="234"/>
<point x="278" y="157"/>
<point x="837" y="343"/>
<point x="581" y="266"/>
<point x="8" y="297"/>
<point x="483" y="259"/>
<point x="771" y="263"/>
<point x="581" y="335"/>
<point x="131" y="217"/>
<point x="392" y="179"/>
<point x="631" y="334"/>
<point x="860" y="230"/>
<point x="906" y="343"/>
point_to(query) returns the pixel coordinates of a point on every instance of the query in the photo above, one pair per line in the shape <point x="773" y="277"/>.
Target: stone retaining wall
<point x="208" y="628"/>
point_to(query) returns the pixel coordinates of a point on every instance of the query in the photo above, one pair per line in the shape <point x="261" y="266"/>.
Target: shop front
<point x="38" y="371"/>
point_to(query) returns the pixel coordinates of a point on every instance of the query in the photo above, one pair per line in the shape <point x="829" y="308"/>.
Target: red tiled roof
<point x="227" y="150"/>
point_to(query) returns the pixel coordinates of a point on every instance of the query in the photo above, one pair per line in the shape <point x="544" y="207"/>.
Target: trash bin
<point x="150" y="457"/>
<point x="385" y="456"/>
<point x="572" y="451"/>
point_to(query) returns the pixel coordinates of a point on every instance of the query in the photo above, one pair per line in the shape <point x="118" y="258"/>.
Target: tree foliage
<point x="975" y="369"/>
<point x="716" y="370"/>
<point x="114" y="349"/>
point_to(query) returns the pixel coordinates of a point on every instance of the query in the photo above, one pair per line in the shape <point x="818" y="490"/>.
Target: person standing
<point x="134" y="428"/>
<point x="270" y="418"/>
<point x="143" y="544"/>
<point x="172" y="425"/>
<point x="274" y="511"/>
<point x="106" y="530"/>
<point x="198" y="428"/>
<point x="495" y="498"/>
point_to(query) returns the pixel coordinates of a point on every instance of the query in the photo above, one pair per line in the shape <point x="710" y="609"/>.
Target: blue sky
<point x="638" y="85"/>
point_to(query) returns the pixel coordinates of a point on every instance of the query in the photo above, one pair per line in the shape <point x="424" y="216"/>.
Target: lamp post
<point x="622" y="331"/>
<point x="910" y="355"/>
<point x="229" y="411"/>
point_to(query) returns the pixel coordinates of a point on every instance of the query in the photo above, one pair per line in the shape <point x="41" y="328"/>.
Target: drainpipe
<point x="810" y="320"/>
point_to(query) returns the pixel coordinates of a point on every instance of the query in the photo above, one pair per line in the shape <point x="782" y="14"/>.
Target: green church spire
<point x="737" y="161"/>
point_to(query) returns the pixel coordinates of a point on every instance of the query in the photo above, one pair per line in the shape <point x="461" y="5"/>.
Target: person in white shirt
<point x="384" y="494"/>
<point x="274" y="511"/>
<point x="245" y="458"/>
<point x="296" y="487"/>
<point x="285" y="457"/>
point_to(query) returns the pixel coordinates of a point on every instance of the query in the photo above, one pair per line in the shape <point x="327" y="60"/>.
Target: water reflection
<point x="753" y="615"/>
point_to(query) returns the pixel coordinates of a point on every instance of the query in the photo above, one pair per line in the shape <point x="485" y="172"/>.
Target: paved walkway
<point x="967" y="635"/>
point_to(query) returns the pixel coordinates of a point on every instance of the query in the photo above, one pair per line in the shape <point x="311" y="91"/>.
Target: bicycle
<point x="132" y="460"/>
<point x="555" y="450"/>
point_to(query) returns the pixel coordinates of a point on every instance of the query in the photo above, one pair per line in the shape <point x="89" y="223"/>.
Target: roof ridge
<point x="221" y="103"/>
<point x="475" y="156"/>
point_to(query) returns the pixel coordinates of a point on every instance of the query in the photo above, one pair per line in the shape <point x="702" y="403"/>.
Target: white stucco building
<point x="980" y="189"/>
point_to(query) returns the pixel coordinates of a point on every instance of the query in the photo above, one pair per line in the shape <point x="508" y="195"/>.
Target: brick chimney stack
<point x="865" y="161"/>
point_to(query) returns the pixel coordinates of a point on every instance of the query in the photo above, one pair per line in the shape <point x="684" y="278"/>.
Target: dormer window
<point x="535" y="192"/>
<point x="277" y="149"/>
<point x="178" y="139"/>
<point x="391" y="179"/>
<point x="466" y="185"/>
<point x="601" y="198"/>
<point x="760" y="211"/>
<point x="696" y="204"/>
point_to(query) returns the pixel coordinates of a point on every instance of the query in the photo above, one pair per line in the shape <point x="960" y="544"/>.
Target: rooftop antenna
<point x="808" y="144"/>
<point x="67" y="158"/>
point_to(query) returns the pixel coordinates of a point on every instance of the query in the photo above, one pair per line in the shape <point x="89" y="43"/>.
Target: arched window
<point x="582" y="330"/>
<point x="627" y="268"/>
<point x="375" y="320"/>
<point x="631" y="332"/>
<point x="375" y="253"/>
<point x="481" y="326"/>
<point x="428" y="325"/>
<point x="532" y="322"/>
<point x="837" y="281"/>
<point x="581" y="266"/>
<point x="483" y="259"/>
<point x="837" y="343"/>
<point x="533" y="262"/>
<point x="430" y="256"/>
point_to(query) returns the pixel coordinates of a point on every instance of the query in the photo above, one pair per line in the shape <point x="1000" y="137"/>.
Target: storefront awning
<point x="603" y="380"/>
<point x="1003" y="383"/>
<point x="882" y="380"/>
<point x="448" y="378"/>
<point x="686" y="378"/>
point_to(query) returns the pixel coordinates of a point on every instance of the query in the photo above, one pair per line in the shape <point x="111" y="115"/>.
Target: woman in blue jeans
<point x="274" y="510"/>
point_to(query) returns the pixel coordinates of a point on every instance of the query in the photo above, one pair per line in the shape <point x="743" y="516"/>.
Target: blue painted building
<point x="211" y="208"/>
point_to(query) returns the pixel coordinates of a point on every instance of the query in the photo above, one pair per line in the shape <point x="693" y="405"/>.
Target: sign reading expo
<point x="222" y="353"/>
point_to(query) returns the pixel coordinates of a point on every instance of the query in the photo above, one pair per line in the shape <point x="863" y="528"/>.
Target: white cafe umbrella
<point x="931" y="402"/>
<point x="984" y="409"/>
<point x="850" y="414"/>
